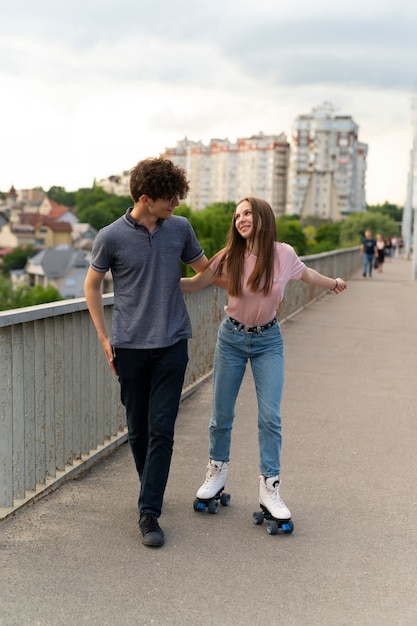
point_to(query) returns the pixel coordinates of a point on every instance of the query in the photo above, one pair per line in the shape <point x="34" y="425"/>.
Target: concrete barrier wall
<point x="60" y="407"/>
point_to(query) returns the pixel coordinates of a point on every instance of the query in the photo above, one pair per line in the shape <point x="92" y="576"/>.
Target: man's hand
<point x="111" y="359"/>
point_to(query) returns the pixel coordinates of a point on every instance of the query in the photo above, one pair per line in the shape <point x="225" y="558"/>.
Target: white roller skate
<point x="274" y="510"/>
<point x="211" y="491"/>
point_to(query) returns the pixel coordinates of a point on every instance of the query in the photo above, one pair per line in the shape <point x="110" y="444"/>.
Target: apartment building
<point x="225" y="171"/>
<point x="361" y="166"/>
<point x="117" y="184"/>
<point x="321" y="173"/>
<point x="327" y="170"/>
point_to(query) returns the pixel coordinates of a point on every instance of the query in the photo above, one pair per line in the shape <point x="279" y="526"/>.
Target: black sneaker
<point x="151" y="531"/>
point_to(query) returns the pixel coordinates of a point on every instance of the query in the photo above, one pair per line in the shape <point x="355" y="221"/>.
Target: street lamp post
<point x="408" y="228"/>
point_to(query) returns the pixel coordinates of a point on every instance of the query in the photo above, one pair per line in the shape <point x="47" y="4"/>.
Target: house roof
<point x="57" y="210"/>
<point x="37" y="220"/>
<point x="4" y="251"/>
<point x="30" y="218"/>
<point x="58" y="261"/>
<point x="56" y="227"/>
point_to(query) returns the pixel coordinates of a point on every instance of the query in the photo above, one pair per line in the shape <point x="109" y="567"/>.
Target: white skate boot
<point x="270" y="498"/>
<point x="215" y="480"/>
<point x="211" y="491"/>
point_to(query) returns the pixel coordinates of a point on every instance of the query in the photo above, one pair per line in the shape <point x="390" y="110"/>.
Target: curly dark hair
<point x="158" y="178"/>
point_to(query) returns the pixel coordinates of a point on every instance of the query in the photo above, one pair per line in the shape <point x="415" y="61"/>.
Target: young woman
<point x="380" y="246"/>
<point x="255" y="268"/>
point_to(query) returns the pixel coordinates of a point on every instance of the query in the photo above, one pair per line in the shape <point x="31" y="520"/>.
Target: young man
<point x="148" y="348"/>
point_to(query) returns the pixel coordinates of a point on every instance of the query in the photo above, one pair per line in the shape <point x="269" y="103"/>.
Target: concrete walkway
<point x="349" y="477"/>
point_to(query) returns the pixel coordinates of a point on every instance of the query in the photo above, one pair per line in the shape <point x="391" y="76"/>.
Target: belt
<point x="253" y="329"/>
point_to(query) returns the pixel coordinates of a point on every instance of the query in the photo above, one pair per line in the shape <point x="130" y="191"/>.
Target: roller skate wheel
<point x="213" y="506"/>
<point x="287" y="527"/>
<point x="198" y="505"/>
<point x="258" y="518"/>
<point x="272" y="527"/>
<point x="225" y="499"/>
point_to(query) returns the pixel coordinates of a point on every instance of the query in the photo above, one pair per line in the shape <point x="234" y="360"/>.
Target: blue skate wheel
<point x="287" y="527"/>
<point x="272" y="527"/>
<point x="198" y="505"/>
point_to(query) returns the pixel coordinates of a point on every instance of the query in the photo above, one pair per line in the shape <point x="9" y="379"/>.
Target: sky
<point x="90" y="87"/>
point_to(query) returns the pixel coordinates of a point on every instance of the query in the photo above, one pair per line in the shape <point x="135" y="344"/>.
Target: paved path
<point x="349" y="477"/>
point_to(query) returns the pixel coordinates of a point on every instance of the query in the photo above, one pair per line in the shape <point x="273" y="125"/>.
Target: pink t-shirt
<point x="253" y="308"/>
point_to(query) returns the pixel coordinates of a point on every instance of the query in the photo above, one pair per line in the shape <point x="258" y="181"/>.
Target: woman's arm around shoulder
<point x="200" y="280"/>
<point x="312" y="277"/>
<point x="205" y="276"/>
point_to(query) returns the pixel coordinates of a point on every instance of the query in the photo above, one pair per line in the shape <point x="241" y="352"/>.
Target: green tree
<point x="184" y="210"/>
<point x="327" y="238"/>
<point x="387" y="208"/>
<point x="39" y="295"/>
<point x="97" y="216"/>
<point x="61" y="196"/>
<point x="329" y="232"/>
<point x="22" y="296"/>
<point x="16" y="260"/>
<point x="290" y="231"/>
<point x="212" y="224"/>
<point x="353" y="227"/>
<point x="310" y="232"/>
<point x="97" y="207"/>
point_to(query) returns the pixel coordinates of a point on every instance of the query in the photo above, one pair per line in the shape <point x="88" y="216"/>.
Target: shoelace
<point x="150" y="523"/>
<point x="275" y="494"/>
<point x="213" y="473"/>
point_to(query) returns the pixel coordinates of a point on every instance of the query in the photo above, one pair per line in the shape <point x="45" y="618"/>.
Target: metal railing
<point x="60" y="407"/>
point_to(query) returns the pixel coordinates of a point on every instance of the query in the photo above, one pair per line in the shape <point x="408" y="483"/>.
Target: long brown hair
<point x="233" y="254"/>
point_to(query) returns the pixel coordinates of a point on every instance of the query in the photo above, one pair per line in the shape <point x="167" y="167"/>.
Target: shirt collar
<point x="132" y="222"/>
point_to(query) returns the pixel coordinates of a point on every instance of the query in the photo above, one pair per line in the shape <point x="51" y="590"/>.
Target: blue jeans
<point x="368" y="263"/>
<point x="151" y="384"/>
<point x="265" y="351"/>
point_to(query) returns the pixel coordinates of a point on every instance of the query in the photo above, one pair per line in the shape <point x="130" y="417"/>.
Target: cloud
<point x="375" y="45"/>
<point x="332" y="50"/>
<point x="91" y="86"/>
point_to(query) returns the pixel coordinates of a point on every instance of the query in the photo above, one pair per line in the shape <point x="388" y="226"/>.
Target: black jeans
<point x="151" y="384"/>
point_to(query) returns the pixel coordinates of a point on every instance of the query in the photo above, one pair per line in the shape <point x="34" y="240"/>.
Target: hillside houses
<point x="61" y="243"/>
<point x="63" y="267"/>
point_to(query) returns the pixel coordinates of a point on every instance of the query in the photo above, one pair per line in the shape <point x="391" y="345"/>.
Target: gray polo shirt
<point x="149" y="309"/>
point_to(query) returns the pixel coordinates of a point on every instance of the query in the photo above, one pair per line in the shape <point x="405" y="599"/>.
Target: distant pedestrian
<point x="369" y="253"/>
<point x="394" y="243"/>
<point x="400" y="245"/>
<point x="380" y="246"/>
<point x="388" y="248"/>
